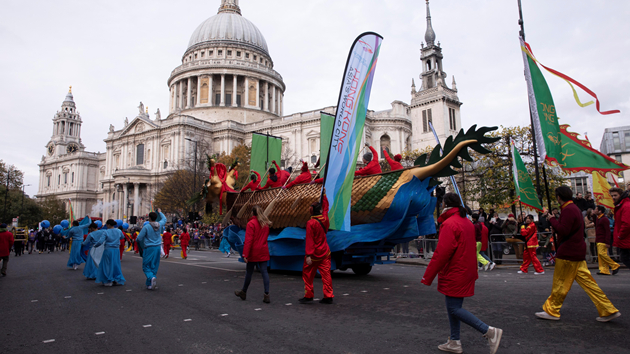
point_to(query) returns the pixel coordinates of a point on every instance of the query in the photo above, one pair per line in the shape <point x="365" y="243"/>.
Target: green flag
<point x="525" y="190"/>
<point x="265" y="148"/>
<point x="542" y="108"/>
<point x="577" y="155"/>
<point x="326" y="124"/>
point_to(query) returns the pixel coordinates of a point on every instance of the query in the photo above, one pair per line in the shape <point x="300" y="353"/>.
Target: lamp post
<point x="6" y="194"/>
<point x="22" y="207"/>
<point x="195" y="183"/>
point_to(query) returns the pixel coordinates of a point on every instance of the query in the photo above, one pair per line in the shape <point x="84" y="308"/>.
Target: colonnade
<point x="123" y="197"/>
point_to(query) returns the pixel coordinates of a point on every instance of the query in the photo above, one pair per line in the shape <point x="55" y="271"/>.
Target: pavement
<point x="48" y="308"/>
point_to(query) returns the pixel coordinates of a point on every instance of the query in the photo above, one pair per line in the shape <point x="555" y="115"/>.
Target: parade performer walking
<point x="76" y="234"/>
<point x="317" y="253"/>
<point x="6" y="242"/>
<point x="90" y="269"/>
<point x="394" y="164"/>
<point x="254" y="184"/>
<point x="571" y="262"/>
<point x="621" y="233"/>
<point x="166" y="241"/>
<point x="304" y="177"/>
<point x="371" y="161"/>
<point x="485" y="264"/>
<point x="530" y="232"/>
<point x="225" y="247"/>
<point x="184" y="241"/>
<point x="602" y="240"/>
<point x="109" y="271"/>
<point x="256" y="251"/>
<point x="455" y="262"/>
<point x="151" y="241"/>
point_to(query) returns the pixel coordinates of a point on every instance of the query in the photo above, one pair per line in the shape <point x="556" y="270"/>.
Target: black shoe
<point x="600" y="273"/>
<point x="241" y="294"/>
<point x="305" y="300"/>
<point x="615" y="271"/>
<point x="326" y="300"/>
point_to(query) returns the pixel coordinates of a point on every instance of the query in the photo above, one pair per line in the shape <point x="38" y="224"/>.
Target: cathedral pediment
<point x="138" y="125"/>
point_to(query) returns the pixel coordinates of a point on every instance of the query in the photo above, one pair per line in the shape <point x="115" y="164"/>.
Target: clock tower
<point x="66" y="135"/>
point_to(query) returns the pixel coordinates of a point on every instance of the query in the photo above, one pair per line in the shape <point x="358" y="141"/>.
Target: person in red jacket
<point x="6" y="242"/>
<point x="571" y="262"/>
<point x="455" y="261"/>
<point x="621" y="233"/>
<point x="602" y="240"/>
<point x="304" y="177"/>
<point x="256" y="251"/>
<point x="371" y="160"/>
<point x="184" y="240"/>
<point x="277" y="177"/>
<point x="166" y="242"/>
<point x="530" y="232"/>
<point x="317" y="253"/>
<point x="394" y="164"/>
<point x="254" y="184"/>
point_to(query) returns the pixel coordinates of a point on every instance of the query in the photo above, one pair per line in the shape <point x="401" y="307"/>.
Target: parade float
<point x="386" y="209"/>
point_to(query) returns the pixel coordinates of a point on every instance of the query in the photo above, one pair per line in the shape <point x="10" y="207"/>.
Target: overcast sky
<point x="118" y="53"/>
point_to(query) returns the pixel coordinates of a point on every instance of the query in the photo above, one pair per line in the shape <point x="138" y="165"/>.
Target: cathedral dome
<point x="229" y="26"/>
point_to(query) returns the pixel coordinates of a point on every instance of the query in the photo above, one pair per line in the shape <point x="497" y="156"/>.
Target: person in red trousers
<point x="531" y="243"/>
<point x="371" y="160"/>
<point x="394" y="164"/>
<point x="317" y="253"/>
<point x="184" y="240"/>
<point x="166" y="242"/>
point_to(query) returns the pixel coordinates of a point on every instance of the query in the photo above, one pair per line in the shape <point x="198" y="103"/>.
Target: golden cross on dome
<point x="70" y="90"/>
<point x="147" y="110"/>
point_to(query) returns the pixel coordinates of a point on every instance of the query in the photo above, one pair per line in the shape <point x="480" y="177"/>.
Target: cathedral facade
<point x="225" y="89"/>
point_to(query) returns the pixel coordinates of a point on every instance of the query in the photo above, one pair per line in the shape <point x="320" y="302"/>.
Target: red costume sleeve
<point x="304" y="177"/>
<point x="372" y="168"/>
<point x="277" y="167"/>
<point x="393" y="164"/>
<point x="319" y="180"/>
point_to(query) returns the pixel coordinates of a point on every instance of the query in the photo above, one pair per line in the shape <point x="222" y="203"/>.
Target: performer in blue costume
<point x="76" y="234"/>
<point x="109" y="271"/>
<point x="95" y="234"/>
<point x="150" y="239"/>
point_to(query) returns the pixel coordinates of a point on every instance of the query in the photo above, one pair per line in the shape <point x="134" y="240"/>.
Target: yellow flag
<point x="600" y="191"/>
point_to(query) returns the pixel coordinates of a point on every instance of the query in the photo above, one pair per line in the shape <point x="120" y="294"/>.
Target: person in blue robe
<point x="75" y="233"/>
<point x="95" y="234"/>
<point x="109" y="271"/>
<point x="150" y="240"/>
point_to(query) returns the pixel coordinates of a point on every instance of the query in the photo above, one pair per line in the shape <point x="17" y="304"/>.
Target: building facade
<point x="226" y="89"/>
<point x="616" y="144"/>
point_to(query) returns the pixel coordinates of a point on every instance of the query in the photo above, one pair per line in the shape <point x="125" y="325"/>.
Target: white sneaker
<point x="153" y="283"/>
<point x="75" y="267"/>
<point x="480" y="268"/>
<point x="494" y="338"/>
<point x="453" y="346"/>
<point x="492" y="265"/>
<point x="541" y="273"/>
<point x="545" y="316"/>
<point x="608" y="318"/>
<point x="485" y="267"/>
<point x="149" y="287"/>
<point x="521" y="272"/>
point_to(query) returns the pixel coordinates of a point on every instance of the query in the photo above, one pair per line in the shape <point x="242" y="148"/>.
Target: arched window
<point x="385" y="145"/>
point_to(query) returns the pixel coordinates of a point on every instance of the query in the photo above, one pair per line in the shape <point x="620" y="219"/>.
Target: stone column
<point x="181" y="94"/>
<point x="170" y="99"/>
<point x="222" y="90"/>
<point x="258" y="94"/>
<point x="273" y="99"/>
<point x="210" y="92"/>
<point x="234" y="87"/>
<point x="136" y="198"/>
<point x="188" y="93"/>
<point x="124" y="201"/>
<point x="245" y="100"/>
<point x="198" y="91"/>
<point x="266" y="103"/>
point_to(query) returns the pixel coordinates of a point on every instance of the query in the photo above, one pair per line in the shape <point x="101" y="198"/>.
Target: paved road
<point x="194" y="311"/>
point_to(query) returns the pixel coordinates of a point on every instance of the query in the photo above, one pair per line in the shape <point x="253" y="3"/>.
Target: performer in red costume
<point x="395" y="163"/>
<point x="531" y="240"/>
<point x="276" y="177"/>
<point x="372" y="167"/>
<point x="166" y="242"/>
<point x="283" y="175"/>
<point x="184" y="240"/>
<point x="304" y="177"/>
<point x="254" y="184"/>
<point x="317" y="253"/>
<point x="135" y="244"/>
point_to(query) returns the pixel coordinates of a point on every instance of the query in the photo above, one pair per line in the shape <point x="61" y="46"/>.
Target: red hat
<point x="398" y="157"/>
<point x="510" y="215"/>
<point x="304" y="166"/>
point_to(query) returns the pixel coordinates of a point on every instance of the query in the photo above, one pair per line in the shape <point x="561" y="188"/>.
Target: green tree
<point x="53" y="210"/>
<point x="175" y="192"/>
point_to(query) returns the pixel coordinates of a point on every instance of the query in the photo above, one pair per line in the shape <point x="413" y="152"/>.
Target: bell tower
<point x="66" y="135"/>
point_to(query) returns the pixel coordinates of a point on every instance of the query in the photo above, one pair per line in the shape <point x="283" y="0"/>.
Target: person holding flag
<point x="394" y="164"/>
<point x="76" y="235"/>
<point x="151" y="241"/>
<point x="530" y="232"/>
<point x="371" y="161"/>
<point x="602" y="240"/>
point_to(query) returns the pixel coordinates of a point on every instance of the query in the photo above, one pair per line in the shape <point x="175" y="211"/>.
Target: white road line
<point x="364" y="291"/>
<point x="67" y="297"/>
<point x="315" y="299"/>
<point x="49" y="340"/>
<point x="100" y="293"/>
<point x="146" y="326"/>
<point x="128" y="289"/>
<point x="34" y="300"/>
<point x="257" y="309"/>
<point x="181" y="285"/>
<point x="224" y="314"/>
<point x="405" y="286"/>
<point x="346" y="294"/>
<point x="188" y="320"/>
<point x="227" y="280"/>
<point x="289" y="304"/>
<point x="99" y="333"/>
<point x="204" y="282"/>
<point x="385" y="288"/>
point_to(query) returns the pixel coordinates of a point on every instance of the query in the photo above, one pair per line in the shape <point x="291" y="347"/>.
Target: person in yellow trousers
<point x="602" y="239"/>
<point x="571" y="262"/>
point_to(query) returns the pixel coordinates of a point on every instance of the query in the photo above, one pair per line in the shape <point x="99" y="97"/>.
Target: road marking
<point x="224" y="314"/>
<point x="257" y="309"/>
<point x="34" y="300"/>
<point x="49" y="340"/>
<point x="289" y="304"/>
<point x="315" y="299"/>
<point x="100" y="293"/>
<point x="188" y="320"/>
<point x="385" y="288"/>
<point x="146" y="326"/>
<point x="99" y="333"/>
<point x="405" y="286"/>
<point x="364" y="291"/>
<point x="181" y="285"/>
<point x="129" y="290"/>
<point x="227" y="280"/>
<point x="67" y="297"/>
<point x="204" y="282"/>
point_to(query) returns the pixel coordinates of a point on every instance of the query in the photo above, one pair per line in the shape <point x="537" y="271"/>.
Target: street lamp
<point x="6" y="194"/>
<point x="22" y="208"/>
<point x="195" y="183"/>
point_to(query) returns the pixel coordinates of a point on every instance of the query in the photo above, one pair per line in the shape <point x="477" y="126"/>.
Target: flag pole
<point x="531" y="119"/>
